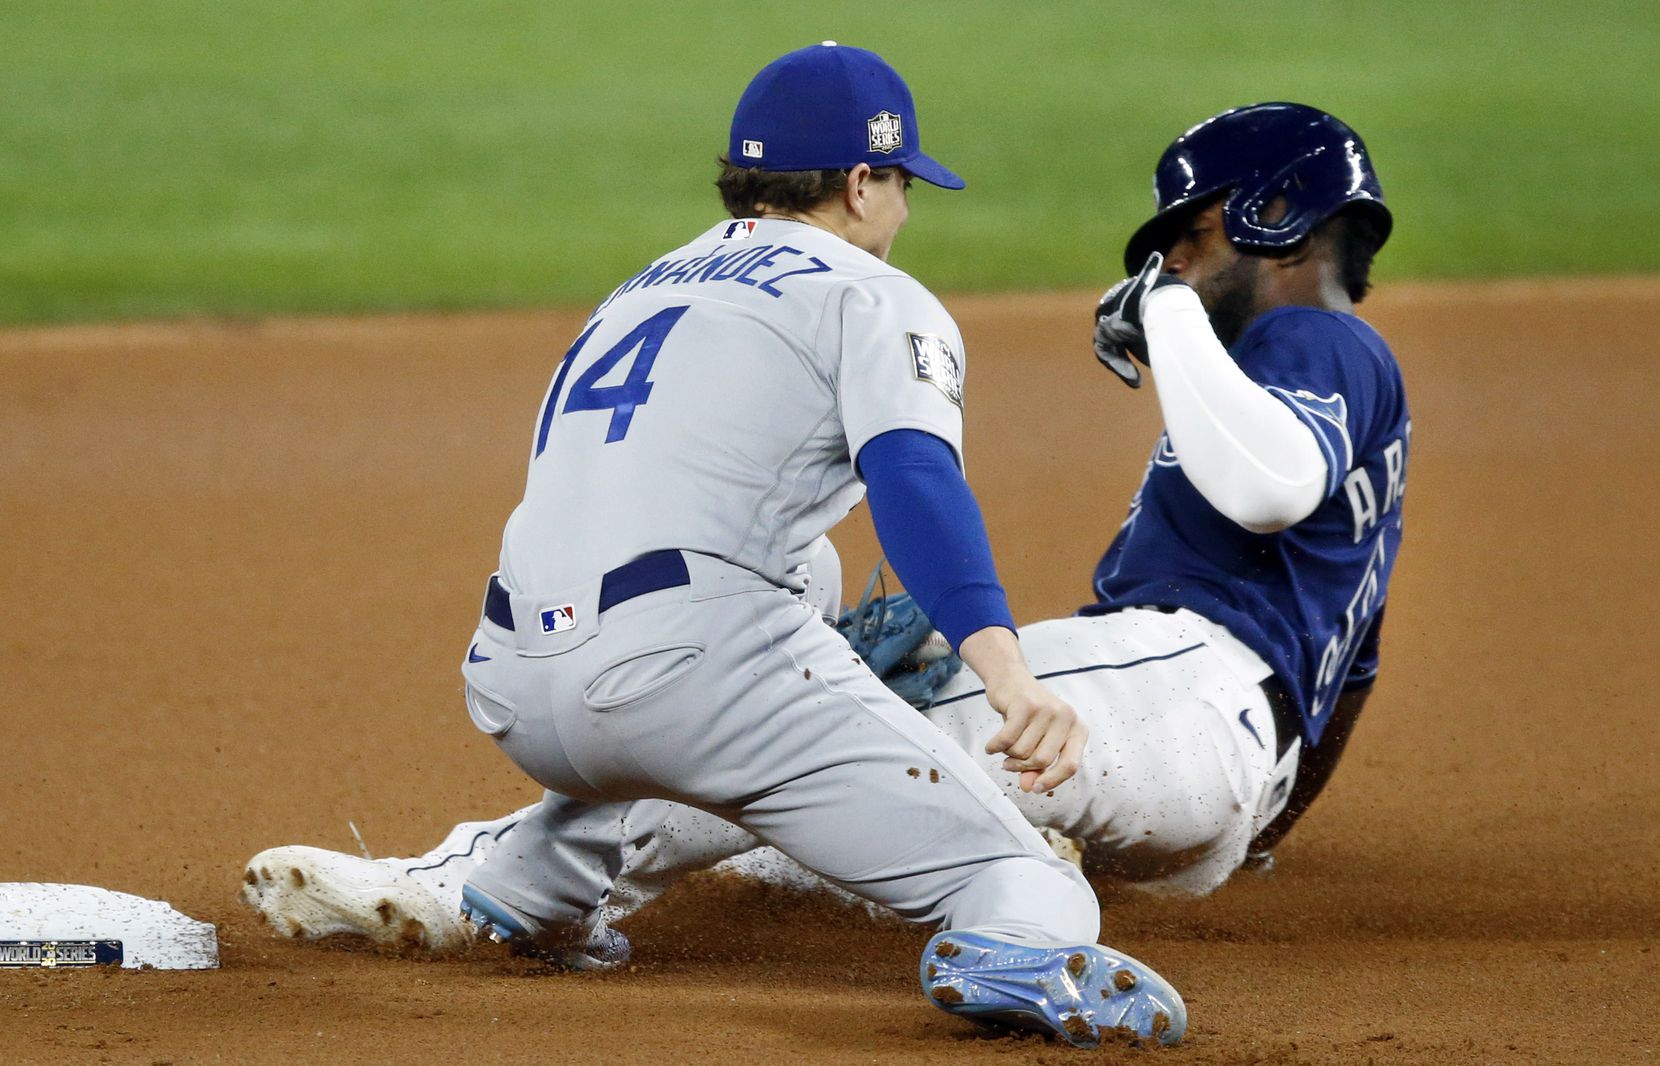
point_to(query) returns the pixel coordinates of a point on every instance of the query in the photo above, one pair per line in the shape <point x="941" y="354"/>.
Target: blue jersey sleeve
<point x="931" y="528"/>
<point x="1309" y="360"/>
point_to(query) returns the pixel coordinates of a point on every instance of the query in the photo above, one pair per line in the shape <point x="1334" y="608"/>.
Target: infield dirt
<point x="241" y="562"/>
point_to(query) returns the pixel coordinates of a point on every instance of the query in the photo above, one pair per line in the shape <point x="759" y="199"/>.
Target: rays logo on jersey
<point x="559" y="619"/>
<point x="886" y="132"/>
<point x="739" y="230"/>
<point x="933" y="361"/>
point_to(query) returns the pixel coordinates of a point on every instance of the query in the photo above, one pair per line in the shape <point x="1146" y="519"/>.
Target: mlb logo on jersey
<point x="559" y="619"/>
<point x="752" y="149"/>
<point x="739" y="230"/>
<point x="933" y="361"/>
<point x="886" y="132"/>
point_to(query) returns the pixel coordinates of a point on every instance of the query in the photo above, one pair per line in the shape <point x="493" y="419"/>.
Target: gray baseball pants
<point x="730" y="694"/>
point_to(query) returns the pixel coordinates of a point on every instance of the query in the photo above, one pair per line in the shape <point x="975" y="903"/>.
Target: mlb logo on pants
<point x="559" y="619"/>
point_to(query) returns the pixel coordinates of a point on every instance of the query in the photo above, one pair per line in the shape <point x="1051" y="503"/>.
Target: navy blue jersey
<point x="1309" y="599"/>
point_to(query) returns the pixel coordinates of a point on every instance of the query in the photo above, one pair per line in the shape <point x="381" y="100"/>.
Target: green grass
<point x="177" y="157"/>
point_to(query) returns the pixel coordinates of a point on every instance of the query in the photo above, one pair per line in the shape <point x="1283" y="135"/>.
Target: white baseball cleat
<point x="309" y="893"/>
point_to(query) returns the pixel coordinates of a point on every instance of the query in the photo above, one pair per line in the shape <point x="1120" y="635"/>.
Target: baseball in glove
<point x="899" y="644"/>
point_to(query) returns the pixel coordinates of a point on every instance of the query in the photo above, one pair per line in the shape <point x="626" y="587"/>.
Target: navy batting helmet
<point x="1253" y="156"/>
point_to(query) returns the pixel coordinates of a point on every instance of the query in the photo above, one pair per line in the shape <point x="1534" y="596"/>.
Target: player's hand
<point x="1118" y="321"/>
<point x="1042" y="736"/>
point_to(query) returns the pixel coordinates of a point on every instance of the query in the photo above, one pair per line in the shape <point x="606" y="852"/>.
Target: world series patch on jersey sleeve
<point x="1308" y="599"/>
<point x="902" y="362"/>
<point x="933" y="361"/>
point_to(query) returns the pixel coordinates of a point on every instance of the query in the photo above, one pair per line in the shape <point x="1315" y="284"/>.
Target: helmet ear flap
<point x="1250" y="217"/>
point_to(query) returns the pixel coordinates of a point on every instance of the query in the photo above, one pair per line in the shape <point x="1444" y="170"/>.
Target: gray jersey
<point x="717" y="402"/>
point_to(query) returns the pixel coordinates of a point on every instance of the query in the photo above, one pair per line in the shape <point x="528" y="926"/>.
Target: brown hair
<point x="745" y="189"/>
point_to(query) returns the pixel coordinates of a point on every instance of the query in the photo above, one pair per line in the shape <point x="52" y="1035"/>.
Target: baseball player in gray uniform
<point x="644" y="638"/>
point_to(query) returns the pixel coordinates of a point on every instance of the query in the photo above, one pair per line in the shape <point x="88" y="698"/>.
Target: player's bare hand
<point x="1042" y="736"/>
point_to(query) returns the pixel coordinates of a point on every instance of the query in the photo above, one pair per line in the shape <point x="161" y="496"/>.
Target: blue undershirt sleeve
<point x="933" y="533"/>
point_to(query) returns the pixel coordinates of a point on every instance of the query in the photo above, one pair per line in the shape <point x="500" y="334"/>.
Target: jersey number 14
<point x="587" y="394"/>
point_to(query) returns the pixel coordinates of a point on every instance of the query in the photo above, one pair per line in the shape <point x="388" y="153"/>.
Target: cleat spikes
<point x="1083" y="994"/>
<point x="311" y="894"/>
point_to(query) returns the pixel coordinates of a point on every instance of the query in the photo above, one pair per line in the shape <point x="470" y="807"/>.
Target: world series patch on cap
<point x="831" y="107"/>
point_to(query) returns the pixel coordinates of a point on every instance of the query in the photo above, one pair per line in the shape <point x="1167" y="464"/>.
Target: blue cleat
<point x="1083" y="994"/>
<point x="491" y="919"/>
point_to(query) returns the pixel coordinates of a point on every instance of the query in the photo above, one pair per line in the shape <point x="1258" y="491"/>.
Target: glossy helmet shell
<point x="1251" y="156"/>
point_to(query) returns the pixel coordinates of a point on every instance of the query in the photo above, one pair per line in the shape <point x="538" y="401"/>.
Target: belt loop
<point x="498" y="606"/>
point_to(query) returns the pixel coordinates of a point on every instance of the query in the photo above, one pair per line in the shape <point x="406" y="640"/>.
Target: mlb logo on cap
<point x="831" y="107"/>
<point x="559" y="619"/>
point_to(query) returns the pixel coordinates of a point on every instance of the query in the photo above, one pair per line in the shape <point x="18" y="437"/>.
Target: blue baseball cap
<point x="831" y="107"/>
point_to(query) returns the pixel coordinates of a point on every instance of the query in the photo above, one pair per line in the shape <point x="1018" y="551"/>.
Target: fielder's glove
<point x="1118" y="332"/>
<point x="892" y="636"/>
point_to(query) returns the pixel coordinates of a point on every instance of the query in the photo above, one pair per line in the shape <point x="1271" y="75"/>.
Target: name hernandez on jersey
<point x="761" y="266"/>
<point x="717" y="402"/>
<point x="1309" y="599"/>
